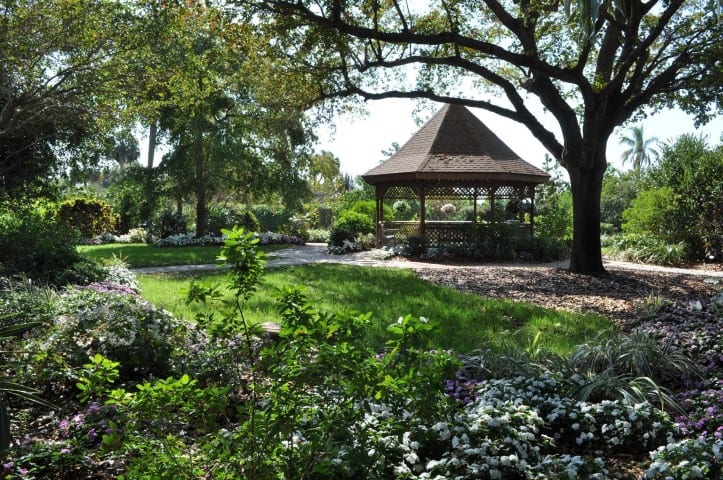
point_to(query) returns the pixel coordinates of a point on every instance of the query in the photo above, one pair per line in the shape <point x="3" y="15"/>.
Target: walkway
<point x="316" y="253"/>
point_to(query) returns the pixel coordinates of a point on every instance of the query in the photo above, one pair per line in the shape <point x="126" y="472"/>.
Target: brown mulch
<point x="620" y="296"/>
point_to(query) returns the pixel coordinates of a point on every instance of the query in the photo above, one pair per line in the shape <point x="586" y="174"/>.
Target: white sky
<point x="358" y="142"/>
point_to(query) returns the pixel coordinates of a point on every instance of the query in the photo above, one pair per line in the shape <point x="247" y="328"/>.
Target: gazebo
<point x="453" y="156"/>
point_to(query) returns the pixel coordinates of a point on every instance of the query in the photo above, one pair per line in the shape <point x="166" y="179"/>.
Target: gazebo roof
<point x="454" y="145"/>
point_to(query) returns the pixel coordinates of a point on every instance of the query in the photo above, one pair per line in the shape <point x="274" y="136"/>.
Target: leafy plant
<point x="88" y="216"/>
<point x="348" y="226"/>
<point x="95" y="378"/>
<point x="9" y="386"/>
<point x="633" y="367"/>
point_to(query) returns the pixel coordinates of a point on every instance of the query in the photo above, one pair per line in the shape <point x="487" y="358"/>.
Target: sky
<point x="358" y="141"/>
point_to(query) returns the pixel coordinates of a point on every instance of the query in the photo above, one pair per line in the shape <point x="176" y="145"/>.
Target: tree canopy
<point x="58" y="64"/>
<point x="516" y="59"/>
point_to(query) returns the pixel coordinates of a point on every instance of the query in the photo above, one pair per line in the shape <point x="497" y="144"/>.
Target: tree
<point x="324" y="176"/>
<point x="591" y="71"/>
<point x="223" y="133"/>
<point x="641" y="151"/>
<point x="691" y="171"/>
<point x="125" y="148"/>
<point x="57" y="66"/>
<point x="618" y="191"/>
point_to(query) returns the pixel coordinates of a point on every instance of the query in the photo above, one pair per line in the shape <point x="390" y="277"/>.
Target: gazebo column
<point x="422" y="214"/>
<point x="474" y="205"/>
<point x="532" y="210"/>
<point x="492" y="204"/>
<point x="380" y="191"/>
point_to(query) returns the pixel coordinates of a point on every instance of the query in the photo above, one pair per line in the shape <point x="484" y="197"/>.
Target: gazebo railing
<point x="441" y="233"/>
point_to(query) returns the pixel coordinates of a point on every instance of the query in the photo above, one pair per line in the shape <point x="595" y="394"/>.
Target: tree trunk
<point x="152" y="133"/>
<point x="201" y="188"/>
<point x="586" y="186"/>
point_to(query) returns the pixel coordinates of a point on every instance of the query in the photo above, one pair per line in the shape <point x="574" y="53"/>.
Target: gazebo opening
<point x="454" y="161"/>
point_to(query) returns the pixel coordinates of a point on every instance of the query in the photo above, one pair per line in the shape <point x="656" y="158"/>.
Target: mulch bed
<point x="620" y="296"/>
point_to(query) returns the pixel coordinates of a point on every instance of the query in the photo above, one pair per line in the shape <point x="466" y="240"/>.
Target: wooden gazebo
<point x="453" y="156"/>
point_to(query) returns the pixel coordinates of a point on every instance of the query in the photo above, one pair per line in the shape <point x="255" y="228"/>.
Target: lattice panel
<point x="442" y="192"/>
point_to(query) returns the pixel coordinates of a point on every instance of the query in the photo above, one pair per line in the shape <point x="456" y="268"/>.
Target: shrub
<point x="318" y="236"/>
<point x="402" y="210"/>
<point x="271" y="219"/>
<point x="167" y="223"/>
<point x="35" y="244"/>
<point x="545" y="249"/>
<point x="369" y="208"/>
<point x="644" y="248"/>
<point x="492" y="242"/>
<point x="226" y="217"/>
<point x="651" y="212"/>
<point x="88" y="216"/>
<point x="348" y="226"/>
<point x="122" y="328"/>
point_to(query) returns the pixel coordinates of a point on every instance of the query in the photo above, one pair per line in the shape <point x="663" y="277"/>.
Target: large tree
<point x="223" y="133"/>
<point x="57" y="69"/>
<point x="591" y="69"/>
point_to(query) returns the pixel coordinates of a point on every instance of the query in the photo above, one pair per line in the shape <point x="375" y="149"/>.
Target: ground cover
<point x="139" y="255"/>
<point x="467" y="322"/>
<point x="142" y="394"/>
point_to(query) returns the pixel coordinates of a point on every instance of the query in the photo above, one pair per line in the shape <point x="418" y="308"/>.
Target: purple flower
<point x="8" y="466"/>
<point x="92" y="434"/>
<point x="65" y="451"/>
<point x="64" y="428"/>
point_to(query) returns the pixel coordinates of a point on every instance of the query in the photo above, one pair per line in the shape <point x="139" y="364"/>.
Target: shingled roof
<point x="455" y="145"/>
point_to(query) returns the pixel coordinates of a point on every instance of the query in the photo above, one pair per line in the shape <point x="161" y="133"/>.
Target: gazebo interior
<point x="454" y="157"/>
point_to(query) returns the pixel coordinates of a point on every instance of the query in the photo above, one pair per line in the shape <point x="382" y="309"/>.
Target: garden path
<point x="316" y="253"/>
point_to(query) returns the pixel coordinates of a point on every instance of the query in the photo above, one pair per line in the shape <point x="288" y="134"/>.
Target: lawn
<point x="138" y="255"/>
<point x="467" y="322"/>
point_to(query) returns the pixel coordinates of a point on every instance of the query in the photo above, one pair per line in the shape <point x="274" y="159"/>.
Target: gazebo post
<point x="532" y="212"/>
<point x="492" y="204"/>
<point x="422" y="214"/>
<point x="474" y="205"/>
<point x="380" y="191"/>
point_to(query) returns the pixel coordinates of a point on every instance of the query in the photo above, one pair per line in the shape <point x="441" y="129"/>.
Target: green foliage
<point x="226" y="217"/>
<point x="348" y="225"/>
<point x="88" y="216"/>
<point x="554" y="205"/>
<point x="652" y="212"/>
<point x="688" y="458"/>
<point x="324" y="379"/>
<point x="167" y="223"/>
<point x="491" y="242"/>
<point x="121" y="328"/>
<point x="271" y="219"/>
<point x="631" y="367"/>
<point x="96" y="377"/>
<point x="369" y="208"/>
<point x="545" y="249"/>
<point x="134" y="199"/>
<point x="691" y="171"/>
<point x="402" y="210"/>
<point x="643" y="248"/>
<point x="33" y="243"/>
<point x="618" y="191"/>
<point x="8" y="386"/>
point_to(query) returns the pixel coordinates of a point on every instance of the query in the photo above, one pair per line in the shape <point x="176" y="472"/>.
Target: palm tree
<point x="125" y="149"/>
<point x="641" y="152"/>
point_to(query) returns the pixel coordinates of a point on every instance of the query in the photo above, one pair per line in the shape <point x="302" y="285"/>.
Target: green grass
<point x="137" y="255"/>
<point x="467" y="322"/>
